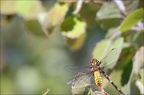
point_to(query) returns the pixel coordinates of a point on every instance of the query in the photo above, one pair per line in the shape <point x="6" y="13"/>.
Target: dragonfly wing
<point x="110" y="58"/>
<point x="80" y="80"/>
<point x="75" y="69"/>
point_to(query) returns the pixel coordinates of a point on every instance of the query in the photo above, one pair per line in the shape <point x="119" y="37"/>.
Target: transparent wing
<point x="76" y="69"/>
<point x="111" y="58"/>
<point x="80" y="83"/>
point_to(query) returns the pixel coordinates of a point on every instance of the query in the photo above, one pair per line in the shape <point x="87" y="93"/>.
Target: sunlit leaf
<point x="29" y="9"/>
<point x="8" y="7"/>
<point x="126" y="73"/>
<point x="74" y="30"/>
<point x="56" y="15"/>
<point x="73" y="27"/>
<point x="132" y="20"/>
<point x="77" y="43"/>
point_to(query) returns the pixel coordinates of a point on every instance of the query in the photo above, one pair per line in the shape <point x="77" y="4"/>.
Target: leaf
<point x="7" y="7"/>
<point x="133" y="87"/>
<point x="76" y="44"/>
<point x="29" y="9"/>
<point x="132" y="5"/>
<point x="108" y="16"/>
<point x="138" y="60"/>
<point x="137" y="39"/>
<point x="73" y="28"/>
<point x="126" y="55"/>
<point x="109" y="23"/>
<point x="126" y="73"/>
<point x="87" y="9"/>
<point x="111" y="32"/>
<point x="140" y="86"/>
<point x="142" y="76"/>
<point x="35" y="27"/>
<point x="74" y="31"/>
<point x="109" y="11"/>
<point x="132" y="20"/>
<point x="56" y="15"/>
<point x="103" y="50"/>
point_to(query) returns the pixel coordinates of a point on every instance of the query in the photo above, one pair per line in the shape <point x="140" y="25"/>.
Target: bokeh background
<point x="39" y="38"/>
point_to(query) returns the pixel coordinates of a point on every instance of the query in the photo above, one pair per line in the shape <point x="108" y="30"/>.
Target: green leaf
<point x="109" y="11"/>
<point x="108" y="16"/>
<point x="101" y="49"/>
<point x="35" y="27"/>
<point x="68" y="24"/>
<point x="137" y="39"/>
<point x="142" y="76"/>
<point x="29" y="9"/>
<point x="87" y="9"/>
<point x="132" y="20"/>
<point x="73" y="28"/>
<point x="111" y="32"/>
<point x="127" y="54"/>
<point x="126" y="73"/>
<point x="109" y="23"/>
<point x="56" y="16"/>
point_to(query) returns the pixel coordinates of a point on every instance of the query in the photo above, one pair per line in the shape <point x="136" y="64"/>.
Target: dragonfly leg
<point x="102" y="68"/>
<point x="88" y="66"/>
<point x="91" y="72"/>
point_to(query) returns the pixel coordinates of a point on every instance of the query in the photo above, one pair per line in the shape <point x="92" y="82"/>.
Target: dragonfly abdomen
<point x="98" y="78"/>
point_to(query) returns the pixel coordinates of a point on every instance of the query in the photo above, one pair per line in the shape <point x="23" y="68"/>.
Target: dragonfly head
<point x="94" y="61"/>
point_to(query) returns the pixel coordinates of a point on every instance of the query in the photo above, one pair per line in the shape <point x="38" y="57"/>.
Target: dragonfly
<point x="96" y="71"/>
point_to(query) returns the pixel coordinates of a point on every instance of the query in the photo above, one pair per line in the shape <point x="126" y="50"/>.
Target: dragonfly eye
<point x="93" y="61"/>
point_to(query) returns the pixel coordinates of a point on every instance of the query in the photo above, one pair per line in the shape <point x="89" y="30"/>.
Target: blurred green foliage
<point x="39" y="38"/>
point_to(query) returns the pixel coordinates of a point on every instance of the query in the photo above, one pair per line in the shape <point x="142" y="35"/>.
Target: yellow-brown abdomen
<point x="98" y="79"/>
